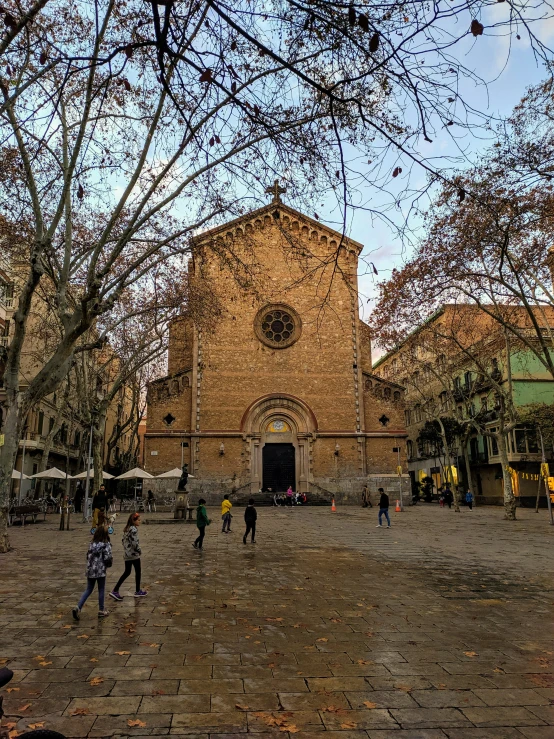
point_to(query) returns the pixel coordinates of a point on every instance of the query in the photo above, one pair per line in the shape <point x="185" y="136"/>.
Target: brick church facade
<point x="278" y="389"/>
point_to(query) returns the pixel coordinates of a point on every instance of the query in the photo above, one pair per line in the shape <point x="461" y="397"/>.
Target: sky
<point x="508" y="72"/>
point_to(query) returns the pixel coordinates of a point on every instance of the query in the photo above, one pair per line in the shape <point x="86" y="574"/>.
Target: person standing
<point x="202" y="521"/>
<point x="383" y="508"/>
<point x="78" y="498"/>
<point x="226" y="506"/>
<point x="99" y="503"/>
<point x="366" y="497"/>
<point x="150" y="501"/>
<point x="131" y="556"/>
<point x="469" y="499"/>
<point x="250" y="518"/>
<point x="448" y="496"/>
<point x="289" y="497"/>
<point x="99" y="558"/>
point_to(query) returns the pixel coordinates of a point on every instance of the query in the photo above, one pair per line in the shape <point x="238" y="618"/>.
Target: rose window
<point x="278" y="326"/>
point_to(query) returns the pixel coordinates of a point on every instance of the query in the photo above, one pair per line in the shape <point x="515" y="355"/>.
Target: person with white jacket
<point x="131" y="555"/>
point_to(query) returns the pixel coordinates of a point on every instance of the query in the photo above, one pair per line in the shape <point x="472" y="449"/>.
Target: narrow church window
<point x="387" y="393"/>
<point x="168" y="419"/>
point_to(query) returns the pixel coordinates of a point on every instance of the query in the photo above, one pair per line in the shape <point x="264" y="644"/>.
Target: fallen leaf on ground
<point x="241" y="708"/>
<point x="12" y="690"/>
<point x="323" y="638"/>
<point x="25" y="707"/>
<point x="10" y="725"/>
<point x="498" y="669"/>
<point x="83" y="636"/>
<point x="364" y="662"/>
<point x="406" y="688"/>
<point x="44" y="663"/>
<point x="135" y="722"/>
<point x="348" y="725"/>
<point x="13" y="734"/>
<point x="80" y="712"/>
<point x="370" y="704"/>
<point x="38" y="656"/>
<point x="147" y="644"/>
<point x="96" y="681"/>
<point x="93" y="659"/>
<point x="333" y="709"/>
<point x="120" y="653"/>
<point x="39" y="725"/>
<point x="471" y="654"/>
<point x="158" y="692"/>
<point x="68" y="626"/>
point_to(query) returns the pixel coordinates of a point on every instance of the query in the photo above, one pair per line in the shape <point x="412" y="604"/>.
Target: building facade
<point x="456" y="367"/>
<point x="278" y="390"/>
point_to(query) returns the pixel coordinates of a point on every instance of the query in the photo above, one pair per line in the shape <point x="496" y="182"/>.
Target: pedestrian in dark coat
<point x="383" y="508"/>
<point x="250" y="518"/>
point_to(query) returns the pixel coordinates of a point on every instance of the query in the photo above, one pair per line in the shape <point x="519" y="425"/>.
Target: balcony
<point x="36" y="442"/>
<point x="4" y="341"/>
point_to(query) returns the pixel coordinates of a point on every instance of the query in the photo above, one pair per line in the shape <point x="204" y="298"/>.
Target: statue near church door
<point x="184" y="478"/>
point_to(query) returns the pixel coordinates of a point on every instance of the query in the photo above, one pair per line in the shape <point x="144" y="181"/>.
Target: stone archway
<point x="279" y="419"/>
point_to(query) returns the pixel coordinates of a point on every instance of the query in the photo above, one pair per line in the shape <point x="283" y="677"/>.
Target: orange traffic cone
<point x="333" y="506"/>
<point x="398" y="509"/>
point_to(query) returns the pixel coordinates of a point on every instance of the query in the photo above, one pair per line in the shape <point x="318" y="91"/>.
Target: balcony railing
<point x="4" y="341"/>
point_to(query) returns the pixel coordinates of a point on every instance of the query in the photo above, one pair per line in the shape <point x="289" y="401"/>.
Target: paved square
<point x="440" y="627"/>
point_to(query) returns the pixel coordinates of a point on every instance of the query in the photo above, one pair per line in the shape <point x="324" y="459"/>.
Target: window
<point x="77" y="440"/>
<point x="494" y="446"/>
<point x="408" y="417"/>
<point x="40" y="422"/>
<point x="467" y="380"/>
<point x="484" y="402"/>
<point x="457" y="383"/>
<point x="417" y="413"/>
<point x="169" y="419"/>
<point x="277" y="326"/>
<point x="532" y="441"/>
<point x="521" y="446"/>
<point x="396" y="395"/>
<point x="50" y="424"/>
<point x="410" y="448"/>
<point x="443" y="400"/>
<point x="387" y="393"/>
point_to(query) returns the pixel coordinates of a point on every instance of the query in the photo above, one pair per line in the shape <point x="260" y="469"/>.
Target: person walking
<point x="202" y="521"/>
<point x="469" y="499"/>
<point x="448" y="496"/>
<point x="366" y="497"/>
<point x="99" y="558"/>
<point x="250" y="518"/>
<point x="131" y="556"/>
<point x="150" y="501"/>
<point x="383" y="508"/>
<point x="99" y="503"/>
<point x="226" y="506"/>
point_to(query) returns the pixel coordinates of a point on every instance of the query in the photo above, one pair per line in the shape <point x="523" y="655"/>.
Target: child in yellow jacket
<point x="226" y="506"/>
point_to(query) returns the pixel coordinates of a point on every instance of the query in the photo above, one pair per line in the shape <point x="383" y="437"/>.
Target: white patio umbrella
<point x="52" y="474"/>
<point x="83" y="475"/>
<point x="173" y="474"/>
<point x="16" y="475"/>
<point x="135" y="474"/>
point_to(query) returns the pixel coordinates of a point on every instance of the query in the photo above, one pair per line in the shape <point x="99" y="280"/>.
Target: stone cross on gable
<point x="276" y="190"/>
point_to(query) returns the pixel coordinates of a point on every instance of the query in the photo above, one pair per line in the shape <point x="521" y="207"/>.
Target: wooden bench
<point x="22" y="512"/>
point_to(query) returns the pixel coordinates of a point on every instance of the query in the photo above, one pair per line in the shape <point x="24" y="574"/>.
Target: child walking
<point x="226" y="506"/>
<point x="250" y="518"/>
<point x="131" y="555"/>
<point x="99" y="557"/>
<point x="202" y="521"/>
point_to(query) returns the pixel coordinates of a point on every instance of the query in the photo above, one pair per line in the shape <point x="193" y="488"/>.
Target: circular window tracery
<point x="278" y="326"/>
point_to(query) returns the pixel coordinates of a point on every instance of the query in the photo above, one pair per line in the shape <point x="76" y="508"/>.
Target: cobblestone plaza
<point x="440" y="627"/>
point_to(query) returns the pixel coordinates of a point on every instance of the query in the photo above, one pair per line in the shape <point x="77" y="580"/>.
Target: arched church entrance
<point x="279" y="431"/>
<point x="279" y="467"/>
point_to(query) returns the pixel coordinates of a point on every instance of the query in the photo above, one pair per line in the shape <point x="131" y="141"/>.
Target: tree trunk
<point x="448" y="459"/>
<point x="13" y="424"/>
<point x="98" y="431"/>
<point x="509" y="498"/>
<point x="468" y="469"/>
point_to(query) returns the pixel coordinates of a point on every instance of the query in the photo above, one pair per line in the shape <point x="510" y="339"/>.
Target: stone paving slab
<point x="432" y="630"/>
